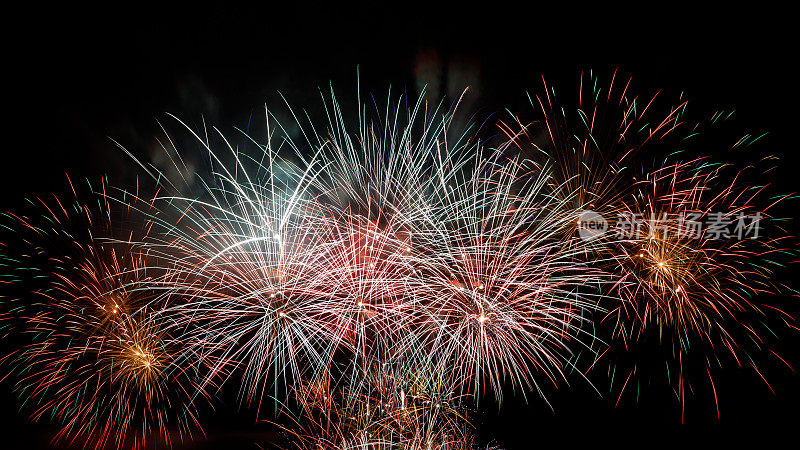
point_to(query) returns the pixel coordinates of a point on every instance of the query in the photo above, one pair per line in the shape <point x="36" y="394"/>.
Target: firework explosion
<point x="375" y="275"/>
<point x="99" y="361"/>
<point x="694" y="289"/>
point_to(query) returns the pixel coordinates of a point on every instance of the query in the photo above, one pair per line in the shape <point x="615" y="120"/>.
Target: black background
<point x="78" y="76"/>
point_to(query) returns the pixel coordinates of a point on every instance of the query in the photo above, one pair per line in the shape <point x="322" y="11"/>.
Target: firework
<point x="391" y="406"/>
<point x="596" y="149"/>
<point x="698" y="292"/>
<point x="388" y="243"/>
<point x="704" y="289"/>
<point x="373" y="275"/>
<point x="98" y="363"/>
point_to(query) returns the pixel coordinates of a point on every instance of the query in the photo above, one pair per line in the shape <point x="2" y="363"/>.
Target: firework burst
<point x="373" y="275"/>
<point x="98" y="363"/>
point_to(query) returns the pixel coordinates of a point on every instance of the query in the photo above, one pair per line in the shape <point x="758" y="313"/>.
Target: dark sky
<point x="77" y="76"/>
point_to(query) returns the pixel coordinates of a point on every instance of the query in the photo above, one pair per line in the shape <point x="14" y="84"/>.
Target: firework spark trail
<point x="387" y="258"/>
<point x="352" y="250"/>
<point x="477" y="220"/>
<point x="697" y="284"/>
<point x="690" y="281"/>
<point x="596" y="148"/>
<point x="99" y="364"/>
<point x="391" y="406"/>
<point x="700" y="291"/>
<point x="248" y="271"/>
<point x="503" y="293"/>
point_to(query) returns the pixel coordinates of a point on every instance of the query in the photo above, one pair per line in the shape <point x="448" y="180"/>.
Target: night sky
<point x="79" y="76"/>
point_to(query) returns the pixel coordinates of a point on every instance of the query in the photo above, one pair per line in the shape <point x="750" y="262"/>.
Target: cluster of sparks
<point x="377" y="278"/>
